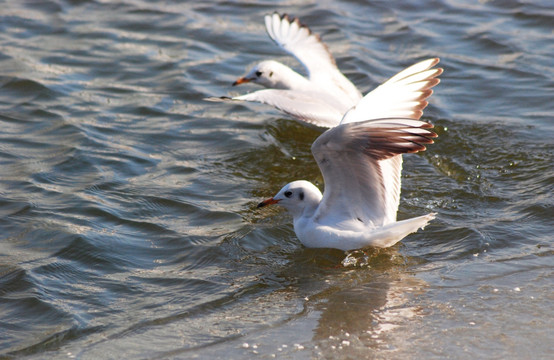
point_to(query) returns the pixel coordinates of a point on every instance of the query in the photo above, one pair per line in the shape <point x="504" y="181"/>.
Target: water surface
<point x="128" y="220"/>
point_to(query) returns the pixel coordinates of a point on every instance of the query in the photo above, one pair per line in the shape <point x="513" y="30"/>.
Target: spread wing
<point x="313" y="108"/>
<point x="403" y="95"/>
<point x="313" y="54"/>
<point x="357" y="161"/>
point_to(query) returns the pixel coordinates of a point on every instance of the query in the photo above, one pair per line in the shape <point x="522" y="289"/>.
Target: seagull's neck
<point x="311" y="204"/>
<point x="310" y="209"/>
<point x="291" y="80"/>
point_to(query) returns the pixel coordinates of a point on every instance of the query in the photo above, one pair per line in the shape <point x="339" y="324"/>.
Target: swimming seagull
<point x="361" y="164"/>
<point x="326" y="95"/>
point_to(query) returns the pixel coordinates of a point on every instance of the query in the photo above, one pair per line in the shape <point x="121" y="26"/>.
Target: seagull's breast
<point x="314" y="233"/>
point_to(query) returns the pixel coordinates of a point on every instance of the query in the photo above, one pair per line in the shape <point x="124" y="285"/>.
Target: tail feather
<point x="394" y="232"/>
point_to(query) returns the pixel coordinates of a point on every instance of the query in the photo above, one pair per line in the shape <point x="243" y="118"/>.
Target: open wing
<point x="316" y="109"/>
<point x="403" y="95"/>
<point x="313" y="54"/>
<point x="352" y="157"/>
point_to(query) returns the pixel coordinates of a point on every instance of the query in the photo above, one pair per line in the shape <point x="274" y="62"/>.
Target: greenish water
<point x="128" y="226"/>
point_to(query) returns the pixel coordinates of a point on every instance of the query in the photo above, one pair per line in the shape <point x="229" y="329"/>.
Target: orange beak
<point x="268" y="202"/>
<point x="242" y="80"/>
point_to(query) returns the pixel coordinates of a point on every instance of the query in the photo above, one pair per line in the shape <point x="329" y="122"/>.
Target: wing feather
<point x="357" y="160"/>
<point x="403" y="95"/>
<point x="316" y="109"/>
<point x="298" y="40"/>
<point x="307" y="47"/>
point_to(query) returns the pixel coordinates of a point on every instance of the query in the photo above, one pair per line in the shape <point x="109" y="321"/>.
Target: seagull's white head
<point x="298" y="197"/>
<point x="272" y="75"/>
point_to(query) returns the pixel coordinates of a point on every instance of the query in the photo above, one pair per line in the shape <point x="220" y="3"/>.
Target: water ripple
<point x="127" y="203"/>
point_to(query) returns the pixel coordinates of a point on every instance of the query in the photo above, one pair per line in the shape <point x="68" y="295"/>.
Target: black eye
<point x="288" y="193"/>
<point x="301" y="196"/>
<point x="271" y="74"/>
<point x="258" y="73"/>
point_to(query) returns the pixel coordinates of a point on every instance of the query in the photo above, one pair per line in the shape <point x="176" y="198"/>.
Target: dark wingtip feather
<point x="218" y="98"/>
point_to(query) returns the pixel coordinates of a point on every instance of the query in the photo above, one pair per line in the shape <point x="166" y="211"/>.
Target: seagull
<point x="361" y="164"/>
<point x="326" y="95"/>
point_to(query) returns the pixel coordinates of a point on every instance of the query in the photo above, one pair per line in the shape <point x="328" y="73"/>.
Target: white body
<point x="356" y="236"/>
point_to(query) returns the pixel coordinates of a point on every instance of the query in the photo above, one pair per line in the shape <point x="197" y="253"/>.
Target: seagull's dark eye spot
<point x="301" y="195"/>
<point x="288" y="193"/>
<point x="271" y="74"/>
<point x="258" y="73"/>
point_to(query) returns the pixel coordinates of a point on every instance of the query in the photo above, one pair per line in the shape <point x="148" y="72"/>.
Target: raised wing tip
<point x="415" y="114"/>
<point x="415" y="149"/>
<point x="429" y="83"/>
<point x="428" y="63"/>
<point x="424" y="95"/>
<point x="424" y="125"/>
<point x="420" y="134"/>
<point x="415" y="141"/>
<point x="380" y="139"/>
<point x="432" y="134"/>
<point x="434" y="81"/>
<point x="276" y="17"/>
<point x="434" y="73"/>
<point x="422" y="105"/>
<point x="427" y="138"/>
<point x="292" y="35"/>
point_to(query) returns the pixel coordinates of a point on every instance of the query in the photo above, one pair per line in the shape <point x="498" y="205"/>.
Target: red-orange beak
<point x="268" y="202"/>
<point x="242" y="80"/>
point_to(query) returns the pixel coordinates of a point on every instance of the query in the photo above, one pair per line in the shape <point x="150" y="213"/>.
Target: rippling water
<point x="128" y="220"/>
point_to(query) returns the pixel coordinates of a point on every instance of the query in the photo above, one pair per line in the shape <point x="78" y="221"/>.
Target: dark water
<point x="127" y="203"/>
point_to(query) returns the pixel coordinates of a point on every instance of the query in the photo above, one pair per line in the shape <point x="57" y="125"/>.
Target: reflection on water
<point x="364" y="318"/>
<point x="127" y="203"/>
<point x="310" y="306"/>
